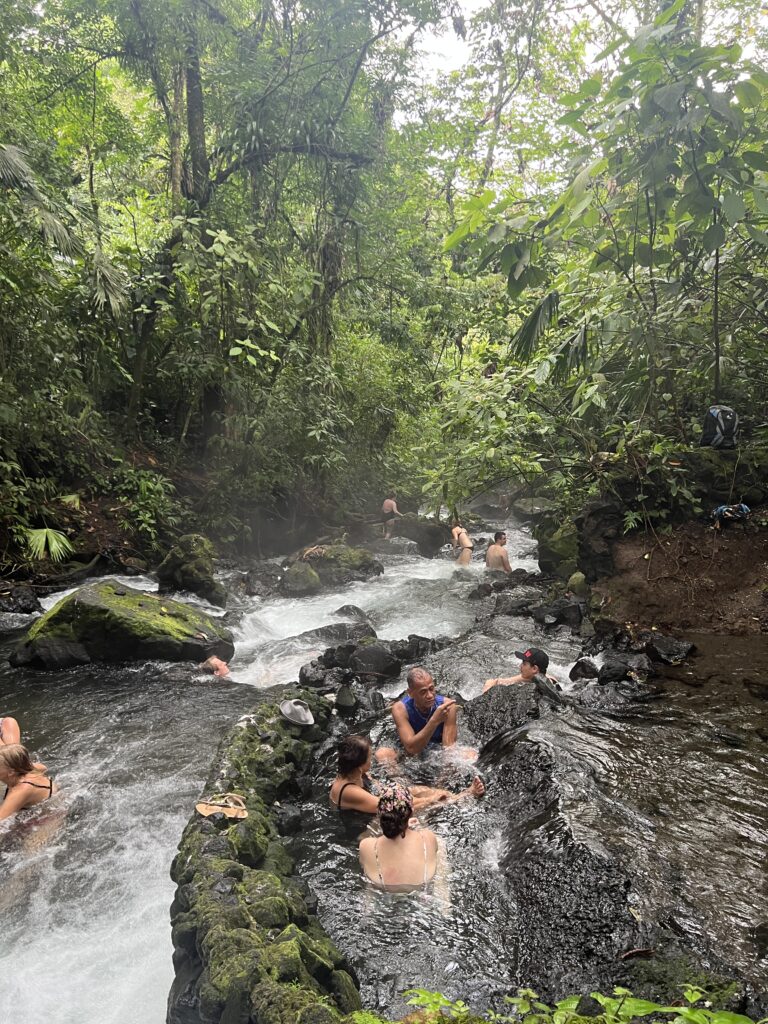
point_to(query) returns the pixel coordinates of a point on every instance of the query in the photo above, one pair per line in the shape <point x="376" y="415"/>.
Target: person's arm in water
<point x="415" y="742"/>
<point x="355" y="798"/>
<point x="16" y="799"/>
<point x="489" y="684"/>
<point x="505" y="561"/>
<point x="10" y="731"/>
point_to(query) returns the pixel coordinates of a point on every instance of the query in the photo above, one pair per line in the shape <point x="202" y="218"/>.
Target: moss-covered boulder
<point x="329" y="565"/>
<point x="246" y="946"/>
<point x="558" y="548"/>
<point x="107" y="621"/>
<point x="300" y="579"/>
<point x="189" y="566"/>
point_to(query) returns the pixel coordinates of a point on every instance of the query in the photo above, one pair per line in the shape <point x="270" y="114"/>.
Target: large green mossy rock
<point x="558" y="548"/>
<point x="107" y="621"/>
<point x="189" y="566"/>
<point x="331" y="565"/>
<point x="300" y="580"/>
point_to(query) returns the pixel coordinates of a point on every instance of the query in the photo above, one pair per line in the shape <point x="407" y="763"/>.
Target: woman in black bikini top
<point x="26" y="785"/>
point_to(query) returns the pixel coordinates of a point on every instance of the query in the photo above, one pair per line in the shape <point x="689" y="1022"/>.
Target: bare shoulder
<point x="398" y="710"/>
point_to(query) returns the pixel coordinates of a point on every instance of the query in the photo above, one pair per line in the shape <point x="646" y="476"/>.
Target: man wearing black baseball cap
<point x="533" y="662"/>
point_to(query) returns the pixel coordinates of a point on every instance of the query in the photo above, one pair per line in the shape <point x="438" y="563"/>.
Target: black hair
<point x="353" y="751"/>
<point x="499" y="533"/>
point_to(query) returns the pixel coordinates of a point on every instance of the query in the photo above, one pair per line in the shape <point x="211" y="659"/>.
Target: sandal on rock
<point x="231" y="805"/>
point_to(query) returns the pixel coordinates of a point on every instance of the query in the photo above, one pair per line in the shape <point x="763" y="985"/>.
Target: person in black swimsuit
<point x="353" y="789"/>
<point x="26" y="786"/>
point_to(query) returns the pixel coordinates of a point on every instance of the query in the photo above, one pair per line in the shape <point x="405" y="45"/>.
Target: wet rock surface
<point x="19" y="600"/>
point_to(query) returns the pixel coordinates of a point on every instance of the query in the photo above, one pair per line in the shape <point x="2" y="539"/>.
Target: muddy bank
<point x="694" y="579"/>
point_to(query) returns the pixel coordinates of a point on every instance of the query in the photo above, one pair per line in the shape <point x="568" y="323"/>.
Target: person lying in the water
<point x="26" y="785"/>
<point x="215" y="666"/>
<point x="402" y="859"/>
<point x="533" y="662"/>
<point x="354" y="790"/>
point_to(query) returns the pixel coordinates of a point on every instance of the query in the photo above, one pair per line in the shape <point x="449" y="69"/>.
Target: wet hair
<point x="211" y="664"/>
<point x="15" y="757"/>
<point x="392" y="494"/>
<point x="498" y="535"/>
<point x="417" y="675"/>
<point x="353" y="751"/>
<point x="395" y="810"/>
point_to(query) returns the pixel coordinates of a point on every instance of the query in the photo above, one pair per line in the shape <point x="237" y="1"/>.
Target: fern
<point x="109" y="284"/>
<point x="15" y="172"/>
<point x="524" y="343"/>
<point x="52" y="542"/>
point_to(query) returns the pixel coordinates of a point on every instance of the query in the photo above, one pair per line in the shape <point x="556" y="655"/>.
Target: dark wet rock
<point x="19" y="600"/>
<point x="668" y="649"/>
<point x="337" y="657"/>
<point x="247" y="943"/>
<point x="598" y="526"/>
<point x="480" y="591"/>
<point x="584" y="669"/>
<point x="352" y="613"/>
<point x="263" y="579"/>
<point x="109" y="622"/>
<point x="300" y="580"/>
<point x="757" y="687"/>
<point x="589" y="1007"/>
<point x="375" y="662"/>
<point x="514" y="579"/>
<point x="319" y="677"/>
<point x="399" y="545"/>
<point x="615" y="696"/>
<point x="415" y="648"/>
<point x="501" y="708"/>
<point x="189" y="566"/>
<point x="623" y="665"/>
<point x="568" y="611"/>
<point x="429" y="535"/>
<point x="339" y="632"/>
<point x="288" y="818"/>
<point x="134" y="566"/>
<point x="513" y="604"/>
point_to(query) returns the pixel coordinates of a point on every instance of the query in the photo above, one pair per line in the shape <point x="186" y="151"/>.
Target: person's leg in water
<point x="10" y="731"/>
<point x="465" y="556"/>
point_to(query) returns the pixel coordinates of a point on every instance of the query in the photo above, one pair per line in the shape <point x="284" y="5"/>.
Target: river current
<point x="679" y="788"/>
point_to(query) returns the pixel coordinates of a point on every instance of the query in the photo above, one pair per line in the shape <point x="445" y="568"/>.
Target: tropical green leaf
<point x="733" y="207"/>
<point x="45" y="541"/>
<point x="524" y="342"/>
<point x="714" y="237"/>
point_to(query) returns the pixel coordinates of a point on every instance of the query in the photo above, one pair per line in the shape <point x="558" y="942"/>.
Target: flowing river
<point x="680" y="787"/>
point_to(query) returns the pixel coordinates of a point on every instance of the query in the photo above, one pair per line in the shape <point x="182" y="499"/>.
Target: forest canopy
<point x="260" y="260"/>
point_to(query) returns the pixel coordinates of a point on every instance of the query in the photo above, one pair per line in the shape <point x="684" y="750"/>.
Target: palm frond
<point x="56" y="233"/>
<point x="52" y="542"/>
<point x="572" y="355"/>
<point x="525" y="342"/>
<point x="109" y="283"/>
<point x="15" y="172"/>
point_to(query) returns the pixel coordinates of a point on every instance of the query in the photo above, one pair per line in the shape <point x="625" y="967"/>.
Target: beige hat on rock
<point x="297" y="712"/>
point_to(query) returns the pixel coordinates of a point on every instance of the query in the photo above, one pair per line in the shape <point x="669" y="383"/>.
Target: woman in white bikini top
<point x="402" y="859"/>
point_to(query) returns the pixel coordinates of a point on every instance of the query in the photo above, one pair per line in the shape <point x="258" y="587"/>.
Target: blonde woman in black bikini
<point x="26" y="785"/>
<point x="402" y="859"/>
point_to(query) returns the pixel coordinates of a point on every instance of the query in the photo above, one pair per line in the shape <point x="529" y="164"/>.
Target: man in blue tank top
<point x="424" y="717"/>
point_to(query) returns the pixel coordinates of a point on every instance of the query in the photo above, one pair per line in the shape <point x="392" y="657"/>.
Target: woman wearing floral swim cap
<point x="402" y="859"/>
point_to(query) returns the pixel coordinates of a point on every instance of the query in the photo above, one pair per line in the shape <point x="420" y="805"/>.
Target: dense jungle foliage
<point x="266" y="259"/>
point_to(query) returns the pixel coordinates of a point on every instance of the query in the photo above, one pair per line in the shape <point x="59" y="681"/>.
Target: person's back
<point x="402" y="864"/>
<point x="26" y="785"/>
<point x="496" y="558"/>
<point x="402" y="859"/>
